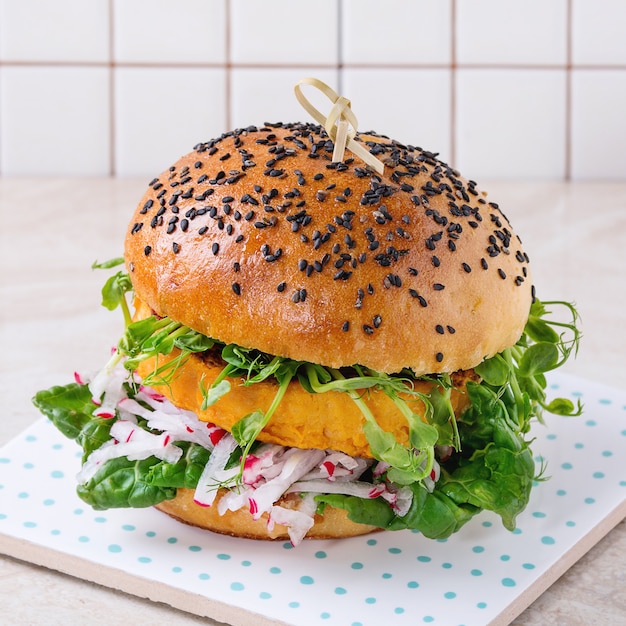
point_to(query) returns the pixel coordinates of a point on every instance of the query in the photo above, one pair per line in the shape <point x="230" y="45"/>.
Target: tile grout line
<point x="259" y="66"/>
<point x="453" y="93"/>
<point x="228" y="95"/>
<point x="568" y="92"/>
<point x="112" y="76"/>
<point x="340" y="76"/>
<point x="1" y="142"/>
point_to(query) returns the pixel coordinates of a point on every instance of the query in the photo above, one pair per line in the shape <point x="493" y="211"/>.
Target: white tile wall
<point x="415" y="101"/>
<point x="511" y="123"/>
<point x="52" y="31"/>
<point x="147" y="108"/>
<point x="598" y="32"/>
<point x="403" y="32"/>
<point x="500" y="88"/>
<point x="166" y="31"/>
<point x="54" y="120"/>
<point x="253" y="102"/>
<point x="510" y="32"/>
<point x="598" y="124"/>
<point x="284" y="32"/>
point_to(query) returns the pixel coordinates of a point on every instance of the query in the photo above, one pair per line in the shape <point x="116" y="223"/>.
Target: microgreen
<point x="521" y="368"/>
<point x="115" y="288"/>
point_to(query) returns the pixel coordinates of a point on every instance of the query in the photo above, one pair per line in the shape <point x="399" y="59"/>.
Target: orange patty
<point x="302" y="419"/>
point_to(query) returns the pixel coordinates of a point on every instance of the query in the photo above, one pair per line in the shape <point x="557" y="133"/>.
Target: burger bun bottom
<point x="333" y="524"/>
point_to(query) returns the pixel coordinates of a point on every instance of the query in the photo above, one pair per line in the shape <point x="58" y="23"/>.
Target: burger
<point x="314" y="348"/>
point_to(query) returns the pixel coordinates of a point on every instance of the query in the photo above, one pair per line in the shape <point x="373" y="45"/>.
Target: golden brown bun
<point x="257" y="239"/>
<point x="334" y="524"/>
<point x="302" y="419"/>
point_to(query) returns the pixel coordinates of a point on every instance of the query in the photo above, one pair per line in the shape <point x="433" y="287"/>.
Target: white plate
<point x="484" y="574"/>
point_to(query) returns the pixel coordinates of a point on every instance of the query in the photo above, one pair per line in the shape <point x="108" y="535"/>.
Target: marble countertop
<point x="51" y="230"/>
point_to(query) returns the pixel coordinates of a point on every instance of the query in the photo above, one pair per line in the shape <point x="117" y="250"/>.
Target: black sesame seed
<point x="439" y="357"/>
<point x="368" y="329"/>
<point x="342" y="275"/>
<point x="377" y="321"/>
<point x="466" y="267"/>
<point x="281" y="287"/>
<point x="451" y="329"/>
<point x="147" y="250"/>
<point x="175" y="248"/>
<point x="215" y="248"/>
<point x="345" y="326"/>
<point x="438" y="287"/>
<point x="501" y="274"/>
<point x="439" y="329"/>
<point x="236" y="288"/>
<point x="484" y="264"/>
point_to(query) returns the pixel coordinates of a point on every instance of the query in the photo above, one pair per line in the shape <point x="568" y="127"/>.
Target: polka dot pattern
<point x="398" y="578"/>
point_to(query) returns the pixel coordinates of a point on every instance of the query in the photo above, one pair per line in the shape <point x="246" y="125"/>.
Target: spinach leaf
<point x="185" y="473"/>
<point x="435" y="514"/>
<point x="119" y="482"/>
<point x="70" y="408"/>
<point x="122" y="483"/>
